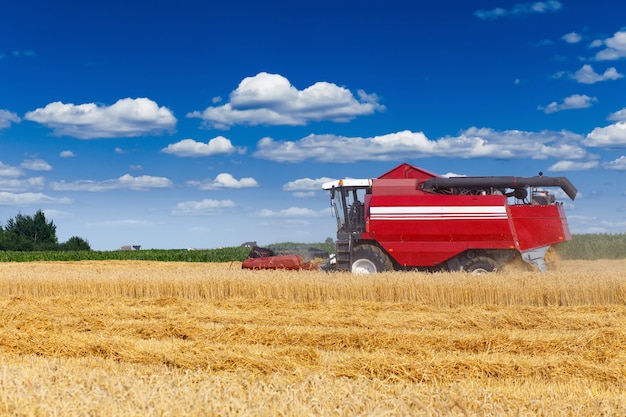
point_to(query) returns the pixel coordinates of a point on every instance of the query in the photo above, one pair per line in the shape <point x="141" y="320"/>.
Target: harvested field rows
<point x="146" y="338"/>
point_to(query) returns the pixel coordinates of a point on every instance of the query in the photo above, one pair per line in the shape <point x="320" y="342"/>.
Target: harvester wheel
<point x="480" y="265"/>
<point x="370" y="259"/>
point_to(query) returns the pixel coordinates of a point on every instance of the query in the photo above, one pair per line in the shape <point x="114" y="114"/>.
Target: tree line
<point x="34" y="233"/>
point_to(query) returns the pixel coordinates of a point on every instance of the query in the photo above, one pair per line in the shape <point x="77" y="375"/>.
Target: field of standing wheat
<point x="140" y="338"/>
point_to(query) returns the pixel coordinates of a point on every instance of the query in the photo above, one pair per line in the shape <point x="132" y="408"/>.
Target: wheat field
<point x="139" y="338"/>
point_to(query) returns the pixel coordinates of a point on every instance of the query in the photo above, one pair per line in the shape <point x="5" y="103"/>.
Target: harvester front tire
<point x="480" y="265"/>
<point x="370" y="259"/>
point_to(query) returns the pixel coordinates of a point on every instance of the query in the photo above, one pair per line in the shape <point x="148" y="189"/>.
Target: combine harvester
<point x="409" y="218"/>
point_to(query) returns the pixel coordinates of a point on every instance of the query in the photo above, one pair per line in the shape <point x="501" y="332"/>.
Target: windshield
<point x="347" y="203"/>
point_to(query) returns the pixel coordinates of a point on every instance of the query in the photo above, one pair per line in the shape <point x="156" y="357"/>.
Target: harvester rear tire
<point x="370" y="259"/>
<point x="480" y="265"/>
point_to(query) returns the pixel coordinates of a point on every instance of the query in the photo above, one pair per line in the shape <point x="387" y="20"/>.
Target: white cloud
<point x="596" y="44"/>
<point x="190" y="148"/>
<point x="21" y="53"/>
<point x="206" y="206"/>
<point x="471" y="143"/>
<point x="615" y="47"/>
<point x="612" y="136"/>
<point x="126" y="181"/>
<point x="36" y="165"/>
<point x="126" y="118"/>
<point x="586" y="75"/>
<point x="619" y="116"/>
<point x="124" y="223"/>
<point x="224" y="180"/>
<point x="520" y="9"/>
<point x="303" y="194"/>
<point x="10" y="171"/>
<point x="14" y="184"/>
<point x="270" y="99"/>
<point x="571" y="37"/>
<point x="618" y="164"/>
<point x="20" y="199"/>
<point x="67" y="154"/>
<point x="293" y="212"/>
<point x="306" y="184"/>
<point x="573" y="166"/>
<point x="57" y="214"/>
<point x="7" y="117"/>
<point x="575" y="101"/>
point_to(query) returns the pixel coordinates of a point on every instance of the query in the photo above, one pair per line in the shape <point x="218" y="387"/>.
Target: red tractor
<point x="410" y="218"/>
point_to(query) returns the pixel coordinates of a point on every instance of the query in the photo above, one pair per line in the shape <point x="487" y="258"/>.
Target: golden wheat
<point x="143" y="338"/>
<point x="574" y="285"/>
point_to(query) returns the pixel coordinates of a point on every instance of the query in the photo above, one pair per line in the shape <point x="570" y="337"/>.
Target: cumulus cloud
<point x="573" y="166"/>
<point x="190" y="148"/>
<point x="619" y="116"/>
<point x="293" y="212"/>
<point x="571" y="37"/>
<point x="303" y="194"/>
<point x="612" y="136"/>
<point x="520" y="9"/>
<point x="270" y="99"/>
<point x="306" y="184"/>
<point x="126" y="118"/>
<point x="223" y="181"/>
<point x="586" y="75"/>
<point x="125" y="223"/>
<point x="126" y="181"/>
<point x="26" y="199"/>
<point x="15" y="184"/>
<point x="575" y="101"/>
<point x="206" y="206"/>
<point x="67" y="154"/>
<point x="7" y="117"/>
<point x="471" y="143"/>
<point x="9" y="176"/>
<point x="23" y="53"/>
<point x="36" y="165"/>
<point x="615" y="47"/>
<point x="618" y="164"/>
<point x="10" y="171"/>
<point x="19" y="53"/>
<point x="57" y="214"/>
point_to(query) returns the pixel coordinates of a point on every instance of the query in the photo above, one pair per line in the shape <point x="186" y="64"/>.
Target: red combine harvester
<point x="409" y="218"/>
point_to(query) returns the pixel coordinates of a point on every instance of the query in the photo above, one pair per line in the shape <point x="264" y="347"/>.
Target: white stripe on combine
<point x="438" y="213"/>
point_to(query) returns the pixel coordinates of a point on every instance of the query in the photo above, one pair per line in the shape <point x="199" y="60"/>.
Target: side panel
<point x="427" y="230"/>
<point x="538" y="226"/>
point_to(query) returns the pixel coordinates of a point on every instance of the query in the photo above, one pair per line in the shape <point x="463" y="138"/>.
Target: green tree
<point x="30" y="233"/>
<point x="75" y="243"/>
<point x="13" y="242"/>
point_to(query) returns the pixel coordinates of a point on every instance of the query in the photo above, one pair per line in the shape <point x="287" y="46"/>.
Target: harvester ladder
<point x="343" y="251"/>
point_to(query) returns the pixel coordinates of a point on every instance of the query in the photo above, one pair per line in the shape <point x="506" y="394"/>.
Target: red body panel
<point x="537" y="226"/>
<point x="421" y="229"/>
<point x="426" y="230"/>
<point x="408" y="171"/>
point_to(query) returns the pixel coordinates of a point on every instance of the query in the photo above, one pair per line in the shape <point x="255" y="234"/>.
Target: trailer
<point x="409" y="218"/>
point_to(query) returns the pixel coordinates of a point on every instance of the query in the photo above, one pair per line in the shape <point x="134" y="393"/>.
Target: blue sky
<point x="203" y="124"/>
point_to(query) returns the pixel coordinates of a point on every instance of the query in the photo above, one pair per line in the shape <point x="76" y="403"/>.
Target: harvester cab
<point x="347" y="202"/>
